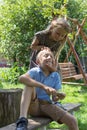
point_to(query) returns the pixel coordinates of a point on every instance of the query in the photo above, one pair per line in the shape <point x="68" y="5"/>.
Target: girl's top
<point x="44" y="40"/>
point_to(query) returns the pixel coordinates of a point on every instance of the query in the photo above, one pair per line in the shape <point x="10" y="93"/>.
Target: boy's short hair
<point x="46" y="49"/>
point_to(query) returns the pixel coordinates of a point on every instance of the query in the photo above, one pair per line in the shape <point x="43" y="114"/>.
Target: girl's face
<point x="58" y="33"/>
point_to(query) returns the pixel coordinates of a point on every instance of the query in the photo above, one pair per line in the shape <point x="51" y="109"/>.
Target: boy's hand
<point x="61" y="95"/>
<point x="58" y="96"/>
<point x="50" y="90"/>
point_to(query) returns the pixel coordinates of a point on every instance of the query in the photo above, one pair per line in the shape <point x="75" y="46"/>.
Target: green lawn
<point x="74" y="94"/>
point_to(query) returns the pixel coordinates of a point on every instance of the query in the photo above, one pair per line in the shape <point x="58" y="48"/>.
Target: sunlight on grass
<point x="74" y="94"/>
<point x="5" y="85"/>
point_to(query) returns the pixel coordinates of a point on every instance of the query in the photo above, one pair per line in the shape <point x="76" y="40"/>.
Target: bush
<point x="11" y="74"/>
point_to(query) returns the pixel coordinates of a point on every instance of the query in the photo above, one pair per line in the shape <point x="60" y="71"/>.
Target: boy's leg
<point x="25" y="101"/>
<point x="60" y="115"/>
<point x="27" y="95"/>
<point x="70" y="121"/>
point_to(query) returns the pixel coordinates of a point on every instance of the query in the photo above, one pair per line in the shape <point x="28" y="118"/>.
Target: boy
<point x="46" y="83"/>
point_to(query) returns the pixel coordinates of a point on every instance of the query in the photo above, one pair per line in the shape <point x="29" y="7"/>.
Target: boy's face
<point x="58" y="33"/>
<point x="46" y="58"/>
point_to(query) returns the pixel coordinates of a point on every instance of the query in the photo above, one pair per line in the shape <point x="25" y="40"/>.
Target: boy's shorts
<point x="44" y="108"/>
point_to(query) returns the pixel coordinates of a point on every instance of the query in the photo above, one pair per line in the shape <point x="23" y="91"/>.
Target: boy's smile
<point x="46" y="58"/>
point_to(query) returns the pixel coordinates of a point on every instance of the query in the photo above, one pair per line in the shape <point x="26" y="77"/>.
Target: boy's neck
<point x="46" y="72"/>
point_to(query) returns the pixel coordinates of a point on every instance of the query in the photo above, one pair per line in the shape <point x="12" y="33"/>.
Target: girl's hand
<point x="45" y="48"/>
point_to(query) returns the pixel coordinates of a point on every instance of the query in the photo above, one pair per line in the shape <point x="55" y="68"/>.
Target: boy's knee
<point x="69" y="119"/>
<point x="73" y="120"/>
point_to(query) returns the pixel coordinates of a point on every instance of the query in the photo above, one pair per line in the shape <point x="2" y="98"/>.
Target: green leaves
<point x="21" y="19"/>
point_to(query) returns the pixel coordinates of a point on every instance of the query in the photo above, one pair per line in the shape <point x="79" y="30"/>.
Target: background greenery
<point x="74" y="94"/>
<point x="19" y="21"/>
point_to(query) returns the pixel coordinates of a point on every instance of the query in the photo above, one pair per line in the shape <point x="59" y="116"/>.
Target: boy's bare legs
<point x="70" y="121"/>
<point x="27" y="94"/>
<point x="25" y="100"/>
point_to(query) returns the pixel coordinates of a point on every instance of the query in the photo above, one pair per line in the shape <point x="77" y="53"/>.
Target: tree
<point x="19" y="21"/>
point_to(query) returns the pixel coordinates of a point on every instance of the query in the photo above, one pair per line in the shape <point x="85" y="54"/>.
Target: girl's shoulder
<point x="43" y="32"/>
<point x="42" y="36"/>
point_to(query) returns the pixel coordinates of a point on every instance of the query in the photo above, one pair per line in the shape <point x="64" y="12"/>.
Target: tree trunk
<point x="9" y="105"/>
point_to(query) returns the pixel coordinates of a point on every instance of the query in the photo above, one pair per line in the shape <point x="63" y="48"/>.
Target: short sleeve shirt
<point x="52" y="80"/>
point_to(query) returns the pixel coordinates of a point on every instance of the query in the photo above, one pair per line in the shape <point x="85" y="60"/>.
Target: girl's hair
<point x="60" y="22"/>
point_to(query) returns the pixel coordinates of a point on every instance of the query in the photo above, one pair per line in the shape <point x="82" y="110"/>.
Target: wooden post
<point x="83" y="34"/>
<point x="9" y="105"/>
<point x="76" y="36"/>
<point x="77" y="60"/>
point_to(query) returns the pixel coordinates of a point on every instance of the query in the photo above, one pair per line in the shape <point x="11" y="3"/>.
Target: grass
<point x="7" y="85"/>
<point x="74" y="94"/>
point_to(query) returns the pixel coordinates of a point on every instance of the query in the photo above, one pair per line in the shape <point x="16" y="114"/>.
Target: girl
<point x="53" y="37"/>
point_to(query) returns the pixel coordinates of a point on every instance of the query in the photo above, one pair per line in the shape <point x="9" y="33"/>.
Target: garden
<point x="19" y="21"/>
<point x="75" y="94"/>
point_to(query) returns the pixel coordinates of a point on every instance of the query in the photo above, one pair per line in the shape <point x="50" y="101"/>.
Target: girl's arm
<point x="35" y="44"/>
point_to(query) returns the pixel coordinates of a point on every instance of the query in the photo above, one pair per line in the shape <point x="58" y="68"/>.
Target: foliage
<point x="1" y="85"/>
<point x="76" y="10"/>
<point x="11" y="74"/>
<point x="19" y="21"/>
<point x="80" y="12"/>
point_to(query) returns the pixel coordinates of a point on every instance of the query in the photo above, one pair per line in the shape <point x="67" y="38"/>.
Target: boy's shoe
<point x="22" y="123"/>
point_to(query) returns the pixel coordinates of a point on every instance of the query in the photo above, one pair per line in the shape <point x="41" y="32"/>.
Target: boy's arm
<point x="28" y="81"/>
